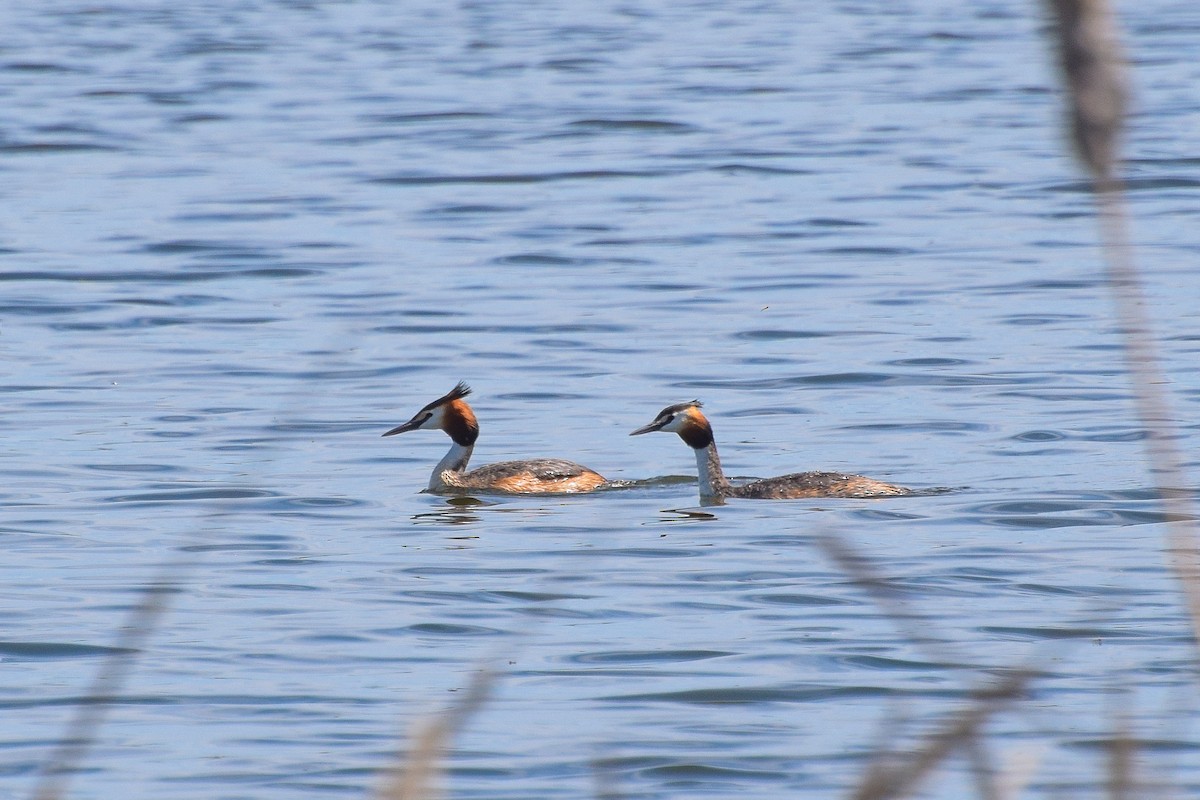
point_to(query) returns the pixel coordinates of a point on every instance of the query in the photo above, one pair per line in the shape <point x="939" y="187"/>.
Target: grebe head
<point x="685" y="419"/>
<point x="449" y="413"/>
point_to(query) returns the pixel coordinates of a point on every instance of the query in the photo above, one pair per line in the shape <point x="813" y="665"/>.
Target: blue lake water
<point x="240" y="240"/>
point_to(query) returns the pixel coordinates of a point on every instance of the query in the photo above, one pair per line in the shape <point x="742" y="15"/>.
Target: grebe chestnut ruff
<point x="536" y="476"/>
<point x="686" y="420"/>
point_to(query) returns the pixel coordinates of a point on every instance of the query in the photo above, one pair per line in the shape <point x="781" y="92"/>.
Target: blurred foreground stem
<point x="1094" y="70"/>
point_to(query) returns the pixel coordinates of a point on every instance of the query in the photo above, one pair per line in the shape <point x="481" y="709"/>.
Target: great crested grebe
<point x="536" y="476"/>
<point x="686" y="420"/>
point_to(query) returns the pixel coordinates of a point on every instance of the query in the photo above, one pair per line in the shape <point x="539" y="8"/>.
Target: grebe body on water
<point x="451" y="414"/>
<point x="693" y="427"/>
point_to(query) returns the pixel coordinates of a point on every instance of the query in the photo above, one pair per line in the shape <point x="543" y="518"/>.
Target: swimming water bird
<point x="693" y="427"/>
<point x="451" y="414"/>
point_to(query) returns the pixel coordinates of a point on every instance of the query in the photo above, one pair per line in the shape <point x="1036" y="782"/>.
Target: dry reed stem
<point x="604" y="780"/>
<point x="911" y="624"/>
<point x="1017" y="772"/>
<point x="1121" y="752"/>
<point x="418" y="777"/>
<point x="979" y="759"/>
<point x="887" y="777"/>
<point x="90" y="710"/>
<point x="1094" y="70"/>
<point x="884" y="780"/>
<point x="1150" y="398"/>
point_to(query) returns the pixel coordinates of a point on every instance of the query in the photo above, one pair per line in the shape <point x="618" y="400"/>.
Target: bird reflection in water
<point x="457" y="511"/>
<point x="686" y="515"/>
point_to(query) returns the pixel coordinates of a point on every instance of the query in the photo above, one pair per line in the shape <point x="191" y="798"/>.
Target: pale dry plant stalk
<point x="1121" y="752"/>
<point x="1094" y="70"/>
<point x="890" y="774"/>
<point x="604" y="780"/>
<point x="90" y="710"/>
<point x="418" y="777"/>
<point x="885" y="780"/>
<point x="911" y="623"/>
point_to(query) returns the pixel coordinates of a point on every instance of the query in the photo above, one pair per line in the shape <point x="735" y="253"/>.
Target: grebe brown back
<point x="693" y="427"/>
<point x="451" y="414"/>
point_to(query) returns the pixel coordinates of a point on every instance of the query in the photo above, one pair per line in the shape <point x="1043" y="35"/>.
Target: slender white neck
<point x="455" y="460"/>
<point x="708" y="467"/>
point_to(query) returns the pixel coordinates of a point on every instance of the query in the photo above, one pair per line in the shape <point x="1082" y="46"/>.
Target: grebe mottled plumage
<point x="450" y="413"/>
<point x="693" y="427"/>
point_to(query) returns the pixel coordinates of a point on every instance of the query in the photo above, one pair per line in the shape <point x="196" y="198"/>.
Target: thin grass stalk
<point x="1016" y="773"/>
<point x="604" y="780"/>
<point x="1150" y="396"/>
<point x="891" y="775"/>
<point x="1094" y="70"/>
<point x="979" y="758"/>
<point x="911" y="624"/>
<point x="883" y="781"/>
<point x="1121" y="752"/>
<point x="419" y="776"/>
<point x="91" y="710"/>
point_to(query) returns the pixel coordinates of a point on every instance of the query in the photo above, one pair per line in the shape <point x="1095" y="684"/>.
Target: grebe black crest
<point x="693" y="427"/>
<point x="450" y="413"/>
